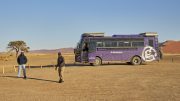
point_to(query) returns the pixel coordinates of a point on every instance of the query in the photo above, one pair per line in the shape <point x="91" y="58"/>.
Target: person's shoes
<point x="25" y="77"/>
<point x="61" y="81"/>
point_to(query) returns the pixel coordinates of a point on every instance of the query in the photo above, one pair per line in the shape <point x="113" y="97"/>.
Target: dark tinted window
<point x="99" y="44"/>
<point x="110" y="44"/>
<point x="92" y="46"/>
<point x="107" y="44"/>
<point x="138" y="44"/>
<point x="113" y="44"/>
<point x="124" y="44"/>
<point x="151" y="43"/>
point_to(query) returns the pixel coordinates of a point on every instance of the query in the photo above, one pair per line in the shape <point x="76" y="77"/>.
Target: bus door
<point x="84" y="54"/>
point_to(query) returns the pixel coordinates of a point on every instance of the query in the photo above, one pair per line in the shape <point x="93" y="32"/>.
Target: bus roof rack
<point x="149" y="34"/>
<point x="92" y="34"/>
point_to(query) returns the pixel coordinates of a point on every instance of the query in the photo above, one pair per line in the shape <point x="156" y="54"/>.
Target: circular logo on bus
<point x="149" y="54"/>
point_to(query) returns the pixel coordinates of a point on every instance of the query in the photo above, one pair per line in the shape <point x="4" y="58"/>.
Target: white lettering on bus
<point x="116" y="52"/>
<point x="91" y="58"/>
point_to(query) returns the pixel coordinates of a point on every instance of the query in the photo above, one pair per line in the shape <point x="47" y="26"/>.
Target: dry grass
<point x="35" y="60"/>
<point x="152" y="82"/>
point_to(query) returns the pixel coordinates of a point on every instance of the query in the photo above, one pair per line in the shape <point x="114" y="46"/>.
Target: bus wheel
<point x="136" y="60"/>
<point x="97" y="61"/>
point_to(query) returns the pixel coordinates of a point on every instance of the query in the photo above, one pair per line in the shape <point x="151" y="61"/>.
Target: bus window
<point x="110" y="44"/>
<point x="78" y="45"/>
<point x="114" y="44"/>
<point x="151" y="43"/>
<point x="138" y="44"/>
<point x="99" y="44"/>
<point x="107" y="44"/>
<point x="92" y="46"/>
<point x="124" y="44"/>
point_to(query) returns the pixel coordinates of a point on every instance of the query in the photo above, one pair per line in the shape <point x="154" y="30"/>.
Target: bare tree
<point x="18" y="46"/>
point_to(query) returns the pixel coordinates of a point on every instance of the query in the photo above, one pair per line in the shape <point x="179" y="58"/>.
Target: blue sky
<point x="51" y="24"/>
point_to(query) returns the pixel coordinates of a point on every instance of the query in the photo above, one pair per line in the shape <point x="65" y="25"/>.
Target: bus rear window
<point x="151" y="43"/>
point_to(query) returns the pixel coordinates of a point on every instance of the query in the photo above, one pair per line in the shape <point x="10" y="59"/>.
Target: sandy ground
<point x="157" y="81"/>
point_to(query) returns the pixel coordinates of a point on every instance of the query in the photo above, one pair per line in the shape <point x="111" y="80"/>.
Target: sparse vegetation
<point x="18" y="46"/>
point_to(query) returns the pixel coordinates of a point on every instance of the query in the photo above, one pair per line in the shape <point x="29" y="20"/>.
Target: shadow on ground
<point x="39" y="79"/>
<point x="80" y="65"/>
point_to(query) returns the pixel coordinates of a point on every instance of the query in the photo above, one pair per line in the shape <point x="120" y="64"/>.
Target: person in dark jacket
<point x="22" y="60"/>
<point x="60" y="65"/>
<point x="85" y="52"/>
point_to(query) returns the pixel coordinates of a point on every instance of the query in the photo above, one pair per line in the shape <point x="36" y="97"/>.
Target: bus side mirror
<point x="74" y="50"/>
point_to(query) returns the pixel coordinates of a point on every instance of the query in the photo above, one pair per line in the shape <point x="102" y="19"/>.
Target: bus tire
<point x="98" y="61"/>
<point x="136" y="60"/>
<point x="129" y="63"/>
<point x="92" y="64"/>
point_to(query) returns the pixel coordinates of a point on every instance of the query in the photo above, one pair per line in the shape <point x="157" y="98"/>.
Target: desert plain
<point x="155" y="81"/>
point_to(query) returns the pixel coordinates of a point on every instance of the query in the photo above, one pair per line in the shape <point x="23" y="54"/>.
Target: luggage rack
<point x="93" y="35"/>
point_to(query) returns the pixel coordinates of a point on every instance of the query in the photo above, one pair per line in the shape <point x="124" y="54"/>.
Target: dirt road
<point x="152" y="82"/>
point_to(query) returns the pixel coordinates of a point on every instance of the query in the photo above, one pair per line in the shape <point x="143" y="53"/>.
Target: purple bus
<point x="96" y="49"/>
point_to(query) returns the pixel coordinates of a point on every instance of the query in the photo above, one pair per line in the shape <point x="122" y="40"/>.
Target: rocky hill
<point x="171" y="47"/>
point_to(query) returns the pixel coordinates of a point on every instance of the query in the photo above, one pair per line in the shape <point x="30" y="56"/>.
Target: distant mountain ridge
<point x="167" y="47"/>
<point x="63" y="50"/>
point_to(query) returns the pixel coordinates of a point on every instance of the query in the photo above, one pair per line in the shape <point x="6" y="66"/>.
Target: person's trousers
<point x="60" y="71"/>
<point x="24" y="70"/>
